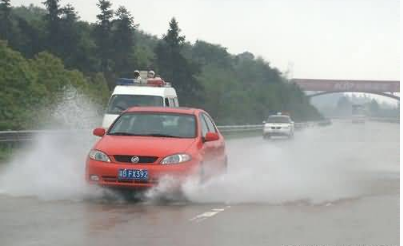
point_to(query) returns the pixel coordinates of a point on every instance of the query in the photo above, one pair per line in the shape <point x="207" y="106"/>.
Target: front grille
<point x="127" y="159"/>
<point x="273" y="127"/>
<point x="109" y="178"/>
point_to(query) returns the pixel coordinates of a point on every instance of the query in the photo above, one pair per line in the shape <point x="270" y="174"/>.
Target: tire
<point x="201" y="173"/>
<point x="225" y="166"/>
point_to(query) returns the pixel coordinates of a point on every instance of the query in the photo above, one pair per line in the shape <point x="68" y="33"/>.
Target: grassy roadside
<point x="5" y="153"/>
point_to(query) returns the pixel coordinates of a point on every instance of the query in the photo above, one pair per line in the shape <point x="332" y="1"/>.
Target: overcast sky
<point x="334" y="39"/>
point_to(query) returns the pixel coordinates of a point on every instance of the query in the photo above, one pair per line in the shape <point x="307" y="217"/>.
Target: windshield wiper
<point x="162" y="135"/>
<point x="144" y="135"/>
<point x="123" y="134"/>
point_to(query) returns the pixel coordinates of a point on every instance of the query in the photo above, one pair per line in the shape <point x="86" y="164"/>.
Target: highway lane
<point x="337" y="185"/>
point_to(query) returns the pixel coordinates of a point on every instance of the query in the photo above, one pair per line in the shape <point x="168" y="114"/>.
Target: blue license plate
<point x="133" y="174"/>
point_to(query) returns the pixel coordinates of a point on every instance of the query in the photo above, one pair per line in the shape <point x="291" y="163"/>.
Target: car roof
<point x="280" y="116"/>
<point x="178" y="110"/>
<point x="143" y="90"/>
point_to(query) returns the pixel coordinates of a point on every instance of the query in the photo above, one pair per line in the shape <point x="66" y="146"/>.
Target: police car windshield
<point x="155" y="125"/>
<point x="119" y="103"/>
<point x="278" y="119"/>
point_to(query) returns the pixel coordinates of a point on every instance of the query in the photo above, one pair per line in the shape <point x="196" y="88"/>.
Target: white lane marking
<point x="208" y="214"/>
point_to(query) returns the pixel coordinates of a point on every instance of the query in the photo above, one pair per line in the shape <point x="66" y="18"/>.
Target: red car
<point x="147" y="143"/>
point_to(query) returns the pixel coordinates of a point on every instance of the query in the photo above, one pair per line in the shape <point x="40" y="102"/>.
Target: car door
<point x="207" y="150"/>
<point x="216" y="148"/>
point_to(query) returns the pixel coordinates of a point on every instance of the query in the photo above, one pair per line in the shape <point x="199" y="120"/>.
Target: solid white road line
<point x="208" y="214"/>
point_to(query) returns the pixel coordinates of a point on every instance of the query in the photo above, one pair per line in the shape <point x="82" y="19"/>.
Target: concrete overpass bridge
<point x="385" y="88"/>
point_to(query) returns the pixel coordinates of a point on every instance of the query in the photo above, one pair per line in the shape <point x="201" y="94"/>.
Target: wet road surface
<point x="337" y="185"/>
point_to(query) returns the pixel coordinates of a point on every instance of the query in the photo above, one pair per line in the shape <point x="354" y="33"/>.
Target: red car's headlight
<point x="175" y="159"/>
<point x="98" y="156"/>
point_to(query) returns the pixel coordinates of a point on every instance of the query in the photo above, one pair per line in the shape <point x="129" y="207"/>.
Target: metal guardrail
<point x="389" y="120"/>
<point x="16" y="136"/>
<point x="240" y="128"/>
<point x="247" y="128"/>
<point x="28" y="135"/>
<point x="9" y="137"/>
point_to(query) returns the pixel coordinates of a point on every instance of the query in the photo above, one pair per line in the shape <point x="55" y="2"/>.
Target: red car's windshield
<point x="155" y="124"/>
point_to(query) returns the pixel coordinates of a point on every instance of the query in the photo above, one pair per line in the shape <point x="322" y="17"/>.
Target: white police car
<point x="278" y="125"/>
<point x="128" y="93"/>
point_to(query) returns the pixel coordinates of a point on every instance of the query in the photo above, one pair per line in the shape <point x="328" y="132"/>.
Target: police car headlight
<point x="175" y="159"/>
<point x="98" y="156"/>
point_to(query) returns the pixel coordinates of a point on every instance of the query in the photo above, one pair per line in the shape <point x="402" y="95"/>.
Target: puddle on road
<point x="318" y="166"/>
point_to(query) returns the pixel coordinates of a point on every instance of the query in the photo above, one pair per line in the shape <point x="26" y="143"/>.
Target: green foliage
<point x="144" y="56"/>
<point x="205" y="53"/>
<point x="5" y="19"/>
<point x="231" y="102"/>
<point x="33" y="87"/>
<point x="53" y="49"/>
<point x="29" y="13"/>
<point x="103" y="35"/>
<point x="123" y="40"/>
<point x="5" y="153"/>
<point x="53" y="26"/>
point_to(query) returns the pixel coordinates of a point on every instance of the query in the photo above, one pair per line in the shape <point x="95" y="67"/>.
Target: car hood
<point x="143" y="146"/>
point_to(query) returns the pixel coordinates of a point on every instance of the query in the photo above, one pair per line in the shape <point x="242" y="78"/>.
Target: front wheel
<point x="201" y="174"/>
<point x="225" y="169"/>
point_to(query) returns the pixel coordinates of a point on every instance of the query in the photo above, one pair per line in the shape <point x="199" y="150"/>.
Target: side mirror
<point x="100" y="132"/>
<point x="211" y="136"/>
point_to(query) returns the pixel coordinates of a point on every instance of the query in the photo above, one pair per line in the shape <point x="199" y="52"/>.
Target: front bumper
<point x="277" y="132"/>
<point x="107" y="173"/>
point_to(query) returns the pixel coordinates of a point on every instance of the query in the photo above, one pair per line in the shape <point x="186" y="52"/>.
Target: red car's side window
<point x="210" y="124"/>
<point x="203" y="124"/>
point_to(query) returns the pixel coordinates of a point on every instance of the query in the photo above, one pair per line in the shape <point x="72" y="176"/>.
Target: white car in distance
<point x="278" y="125"/>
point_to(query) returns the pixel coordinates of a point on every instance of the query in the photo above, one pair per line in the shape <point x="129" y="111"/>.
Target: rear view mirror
<point x="100" y="132"/>
<point x="211" y="136"/>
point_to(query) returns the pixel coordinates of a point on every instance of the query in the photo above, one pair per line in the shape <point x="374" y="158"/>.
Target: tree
<point x="30" y="38"/>
<point x="344" y="103"/>
<point x="28" y="30"/>
<point x="172" y="38"/>
<point x="175" y="67"/>
<point x="205" y="53"/>
<point x="374" y="107"/>
<point x="69" y="14"/>
<point x="52" y="19"/>
<point x="5" y="19"/>
<point x="235" y="89"/>
<point x="69" y="35"/>
<point x="123" y="40"/>
<point x="344" y="106"/>
<point x="31" y="88"/>
<point x="103" y="34"/>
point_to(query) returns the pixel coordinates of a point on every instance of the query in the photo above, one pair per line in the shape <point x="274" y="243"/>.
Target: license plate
<point x="133" y="174"/>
